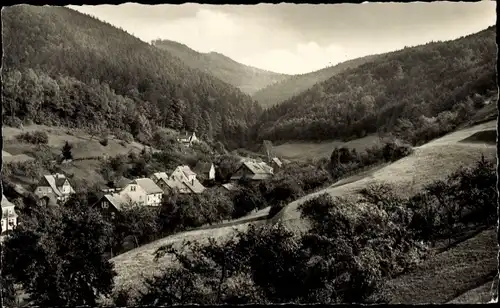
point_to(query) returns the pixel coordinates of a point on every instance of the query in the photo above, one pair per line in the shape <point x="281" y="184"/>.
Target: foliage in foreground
<point x="349" y="250"/>
<point x="57" y="256"/>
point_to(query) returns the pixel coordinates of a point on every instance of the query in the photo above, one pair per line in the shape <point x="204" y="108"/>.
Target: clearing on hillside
<point x="83" y="145"/>
<point x="312" y="150"/>
<point x="429" y="162"/>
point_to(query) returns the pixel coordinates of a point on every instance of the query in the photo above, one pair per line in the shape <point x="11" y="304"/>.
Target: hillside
<point x="417" y="93"/>
<point x="248" y="79"/>
<point x="433" y="161"/>
<point x="61" y="67"/>
<point x="293" y="85"/>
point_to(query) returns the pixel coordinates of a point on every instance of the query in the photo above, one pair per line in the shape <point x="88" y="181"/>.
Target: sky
<point x="298" y="38"/>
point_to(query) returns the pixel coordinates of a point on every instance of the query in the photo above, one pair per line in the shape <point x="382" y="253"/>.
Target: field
<point x="428" y="163"/>
<point x="450" y="275"/>
<point x="83" y="147"/>
<point x="311" y="150"/>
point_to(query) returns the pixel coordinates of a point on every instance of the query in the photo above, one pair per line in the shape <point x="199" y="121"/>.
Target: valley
<point x="144" y="172"/>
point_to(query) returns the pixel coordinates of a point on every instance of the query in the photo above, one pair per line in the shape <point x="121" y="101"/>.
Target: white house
<point x="183" y="173"/>
<point x="187" y="139"/>
<point x="54" y="187"/>
<point x="142" y="191"/>
<point x="9" y="215"/>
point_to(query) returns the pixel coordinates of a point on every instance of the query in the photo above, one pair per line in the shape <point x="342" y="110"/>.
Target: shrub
<point x="124" y="136"/>
<point x="37" y="137"/>
<point x="13" y="122"/>
<point x="395" y="149"/>
<point x="104" y="141"/>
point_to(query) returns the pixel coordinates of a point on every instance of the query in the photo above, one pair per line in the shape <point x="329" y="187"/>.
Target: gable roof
<point x="185" y="170"/>
<point x="118" y="201"/>
<point x="257" y="168"/>
<point x="54" y="181"/>
<point x="228" y="186"/>
<point x="277" y="161"/>
<point x="160" y="175"/>
<point x="6" y="203"/>
<point x="204" y="167"/>
<point x="195" y="186"/>
<point x="172" y="183"/>
<point x="122" y="182"/>
<point x="148" y="185"/>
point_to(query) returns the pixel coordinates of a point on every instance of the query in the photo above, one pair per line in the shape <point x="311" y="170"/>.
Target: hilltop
<point x="293" y="85"/>
<point x="70" y="69"/>
<point x="248" y="79"/>
<point x="416" y="93"/>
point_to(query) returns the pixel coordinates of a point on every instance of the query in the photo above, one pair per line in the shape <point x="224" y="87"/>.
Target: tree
<point x="58" y="256"/>
<point x="66" y="151"/>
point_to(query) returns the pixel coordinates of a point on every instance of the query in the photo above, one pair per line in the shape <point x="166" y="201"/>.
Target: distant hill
<point x="420" y="93"/>
<point x="65" y="68"/>
<point x="293" y="85"/>
<point x="248" y="79"/>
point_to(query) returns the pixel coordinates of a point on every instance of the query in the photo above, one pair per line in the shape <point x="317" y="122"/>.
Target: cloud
<point x="303" y="58"/>
<point x="294" y="39"/>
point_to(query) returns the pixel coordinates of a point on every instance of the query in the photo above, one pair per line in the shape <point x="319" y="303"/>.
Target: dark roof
<point x="195" y="186"/>
<point x="122" y="182"/>
<point x="148" y="185"/>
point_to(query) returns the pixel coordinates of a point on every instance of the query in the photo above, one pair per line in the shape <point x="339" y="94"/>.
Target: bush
<point x="104" y="141"/>
<point x="37" y="137"/>
<point x="13" y="122"/>
<point x="124" y="136"/>
<point x="395" y="149"/>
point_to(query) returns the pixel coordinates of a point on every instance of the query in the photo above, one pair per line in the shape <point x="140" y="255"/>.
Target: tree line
<point x="416" y="93"/>
<point x="72" y="69"/>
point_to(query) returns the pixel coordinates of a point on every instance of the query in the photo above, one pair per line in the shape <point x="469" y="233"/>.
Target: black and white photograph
<point x="230" y="154"/>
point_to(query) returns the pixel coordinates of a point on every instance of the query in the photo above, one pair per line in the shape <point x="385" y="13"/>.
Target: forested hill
<point x="62" y="67"/>
<point x="438" y="84"/>
<point x="293" y="85"/>
<point x="248" y="79"/>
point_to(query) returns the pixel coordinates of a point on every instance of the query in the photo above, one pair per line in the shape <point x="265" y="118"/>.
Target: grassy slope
<point x="482" y="294"/>
<point x="306" y="150"/>
<point x="447" y="275"/>
<point x="248" y="79"/>
<point x="281" y="91"/>
<point x="316" y="150"/>
<point x="428" y="163"/>
<point x="83" y="147"/>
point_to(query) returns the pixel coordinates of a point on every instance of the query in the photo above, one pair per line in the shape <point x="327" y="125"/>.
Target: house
<point x="253" y="171"/>
<point x="142" y="191"/>
<point x="207" y="170"/>
<point x="9" y="215"/>
<point x="170" y="186"/>
<point x="116" y="185"/>
<point x="187" y="139"/>
<point x="158" y="175"/>
<point x="111" y="204"/>
<point x="194" y="186"/>
<point x="276" y="163"/>
<point x="54" y="187"/>
<point x="183" y="173"/>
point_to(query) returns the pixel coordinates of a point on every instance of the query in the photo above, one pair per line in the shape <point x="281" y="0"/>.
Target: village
<point x="56" y="189"/>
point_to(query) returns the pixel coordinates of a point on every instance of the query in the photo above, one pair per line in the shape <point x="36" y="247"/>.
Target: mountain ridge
<point x="247" y="78"/>
<point x="83" y="68"/>
<point x="427" y="89"/>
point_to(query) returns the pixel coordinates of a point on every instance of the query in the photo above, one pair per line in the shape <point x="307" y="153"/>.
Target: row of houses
<point x="56" y="188"/>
